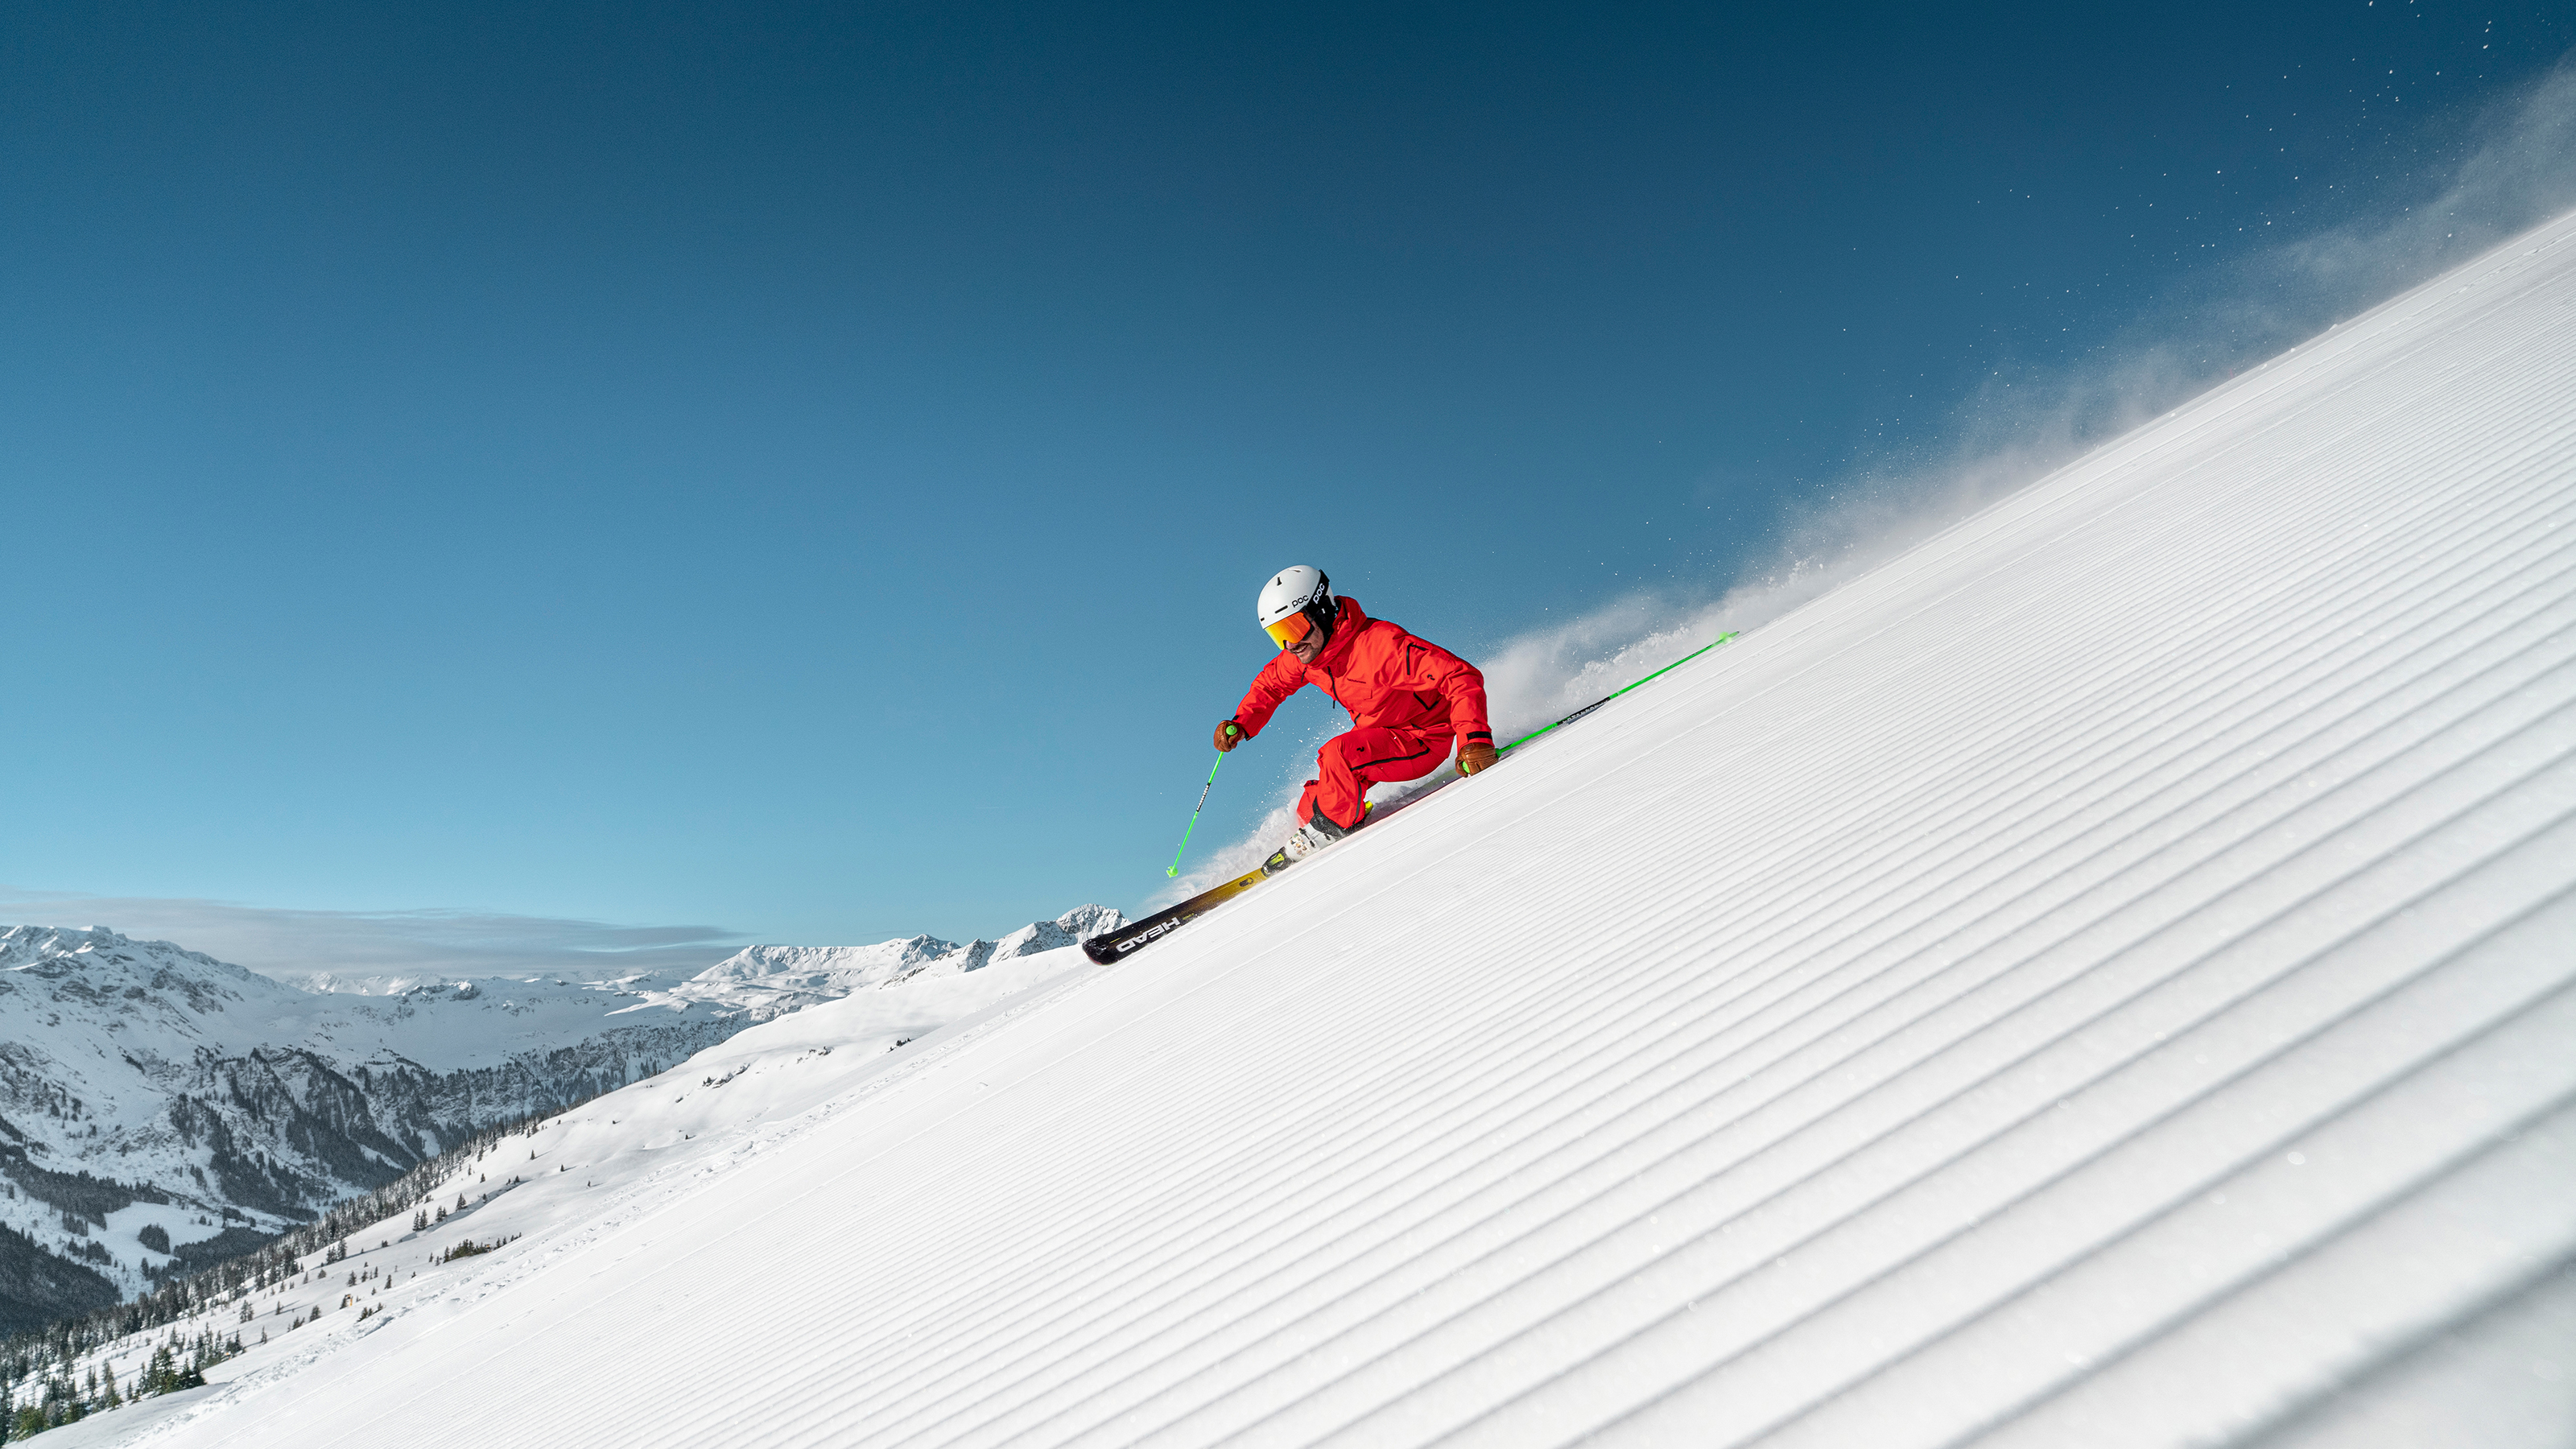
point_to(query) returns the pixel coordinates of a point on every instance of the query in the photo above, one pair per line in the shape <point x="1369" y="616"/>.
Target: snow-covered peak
<point x="99" y="953"/>
<point x="822" y="966"/>
<point x="374" y="983"/>
<point x="769" y="980"/>
<point x="95" y="983"/>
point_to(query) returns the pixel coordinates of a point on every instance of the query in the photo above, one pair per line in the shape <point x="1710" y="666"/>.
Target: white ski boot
<point x="1314" y="835"/>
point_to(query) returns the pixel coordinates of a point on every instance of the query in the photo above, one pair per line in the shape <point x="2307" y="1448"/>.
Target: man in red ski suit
<point x="1409" y="700"/>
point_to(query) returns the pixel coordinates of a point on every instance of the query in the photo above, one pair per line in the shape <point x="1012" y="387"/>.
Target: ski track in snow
<point x="2107" y="976"/>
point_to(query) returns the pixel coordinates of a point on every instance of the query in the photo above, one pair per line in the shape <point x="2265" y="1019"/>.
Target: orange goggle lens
<point x="1291" y="629"/>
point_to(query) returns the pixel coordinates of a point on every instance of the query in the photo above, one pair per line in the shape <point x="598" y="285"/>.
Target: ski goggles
<point x="1289" y="631"/>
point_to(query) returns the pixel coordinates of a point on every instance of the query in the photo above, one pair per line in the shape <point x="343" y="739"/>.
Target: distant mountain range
<point x="161" y="1109"/>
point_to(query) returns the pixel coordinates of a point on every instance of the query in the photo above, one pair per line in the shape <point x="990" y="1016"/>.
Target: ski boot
<point x="1308" y="838"/>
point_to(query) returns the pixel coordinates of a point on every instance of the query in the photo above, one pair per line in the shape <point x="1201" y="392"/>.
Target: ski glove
<point x="1478" y="755"/>
<point x="1228" y="735"/>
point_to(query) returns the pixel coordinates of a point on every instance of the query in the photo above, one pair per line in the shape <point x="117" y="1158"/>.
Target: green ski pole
<point x="1605" y="699"/>
<point x="1175" y="867"/>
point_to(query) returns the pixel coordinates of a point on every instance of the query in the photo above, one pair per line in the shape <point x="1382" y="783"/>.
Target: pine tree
<point x="158" y="1375"/>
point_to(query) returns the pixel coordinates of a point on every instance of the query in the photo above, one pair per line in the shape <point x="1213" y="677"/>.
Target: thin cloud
<point x="382" y="949"/>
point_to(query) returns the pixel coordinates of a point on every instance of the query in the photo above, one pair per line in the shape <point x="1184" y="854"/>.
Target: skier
<point x="1409" y="700"/>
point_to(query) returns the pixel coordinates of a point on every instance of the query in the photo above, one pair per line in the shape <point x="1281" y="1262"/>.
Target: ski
<point x="1110" y="946"/>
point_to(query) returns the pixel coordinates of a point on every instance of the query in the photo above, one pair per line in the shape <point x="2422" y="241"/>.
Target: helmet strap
<point x="1324" y="611"/>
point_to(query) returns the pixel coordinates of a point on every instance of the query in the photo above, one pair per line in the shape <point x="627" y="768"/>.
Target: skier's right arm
<point x="1281" y="678"/>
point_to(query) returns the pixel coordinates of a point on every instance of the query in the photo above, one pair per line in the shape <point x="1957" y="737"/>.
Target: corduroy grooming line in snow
<point x="2106" y="977"/>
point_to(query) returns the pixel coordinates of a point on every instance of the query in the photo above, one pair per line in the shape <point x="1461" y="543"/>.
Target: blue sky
<point x="804" y="470"/>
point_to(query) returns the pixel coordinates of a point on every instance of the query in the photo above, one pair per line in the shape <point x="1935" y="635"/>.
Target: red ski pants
<point x="1349" y="764"/>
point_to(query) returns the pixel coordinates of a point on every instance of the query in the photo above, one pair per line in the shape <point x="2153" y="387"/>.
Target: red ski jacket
<point x="1384" y="676"/>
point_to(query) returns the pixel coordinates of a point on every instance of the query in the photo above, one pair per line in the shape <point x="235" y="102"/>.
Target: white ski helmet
<point x="1298" y="601"/>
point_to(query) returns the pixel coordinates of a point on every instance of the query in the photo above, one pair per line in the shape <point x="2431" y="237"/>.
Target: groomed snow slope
<point x="2103" y="978"/>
